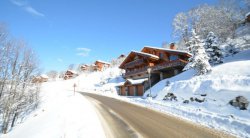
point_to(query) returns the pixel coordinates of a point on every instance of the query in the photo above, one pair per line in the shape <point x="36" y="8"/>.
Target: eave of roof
<point x="139" y="53"/>
<point x="167" y="50"/>
<point x="103" y="62"/>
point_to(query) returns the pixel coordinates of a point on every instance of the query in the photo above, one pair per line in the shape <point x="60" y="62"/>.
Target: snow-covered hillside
<point x="224" y="83"/>
<point x="57" y="118"/>
<point x="100" y="81"/>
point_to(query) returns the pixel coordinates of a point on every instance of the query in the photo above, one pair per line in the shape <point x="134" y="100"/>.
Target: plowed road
<point x="124" y="120"/>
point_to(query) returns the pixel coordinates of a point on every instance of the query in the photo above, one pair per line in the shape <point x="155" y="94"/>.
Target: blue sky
<point x="63" y="32"/>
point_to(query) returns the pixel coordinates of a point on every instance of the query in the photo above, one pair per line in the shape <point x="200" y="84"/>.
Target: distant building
<point x="40" y="79"/>
<point x="101" y="65"/>
<point x="84" y="67"/>
<point x="163" y="63"/>
<point x="70" y="74"/>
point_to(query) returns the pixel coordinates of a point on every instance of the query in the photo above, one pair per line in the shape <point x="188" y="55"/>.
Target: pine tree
<point x="212" y="49"/>
<point x="199" y="60"/>
<point x="231" y="48"/>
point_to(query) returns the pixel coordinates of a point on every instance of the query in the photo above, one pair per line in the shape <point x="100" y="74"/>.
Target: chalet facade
<point x="163" y="63"/>
<point x="70" y="74"/>
<point x="101" y="65"/>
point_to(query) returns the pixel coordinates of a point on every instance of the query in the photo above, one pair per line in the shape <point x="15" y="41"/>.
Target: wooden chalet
<point x="70" y="74"/>
<point x="164" y="63"/>
<point x="101" y="65"/>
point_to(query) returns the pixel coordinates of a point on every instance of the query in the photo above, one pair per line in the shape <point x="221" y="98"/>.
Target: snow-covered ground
<point x="61" y="114"/>
<point x="225" y="82"/>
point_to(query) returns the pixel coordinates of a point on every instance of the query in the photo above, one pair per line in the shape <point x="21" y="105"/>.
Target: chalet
<point x="70" y="74"/>
<point x="40" y="79"/>
<point x="101" y="65"/>
<point x="84" y="67"/>
<point x="161" y="62"/>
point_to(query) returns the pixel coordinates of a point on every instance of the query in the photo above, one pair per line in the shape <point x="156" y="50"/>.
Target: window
<point x="173" y="57"/>
<point x="126" y="90"/>
<point x="135" y="90"/>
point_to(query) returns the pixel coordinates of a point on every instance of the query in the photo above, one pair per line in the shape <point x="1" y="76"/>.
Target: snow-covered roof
<point x="44" y="76"/>
<point x="133" y="82"/>
<point x="84" y="65"/>
<point x="102" y="62"/>
<point x="138" y="81"/>
<point x="139" y="53"/>
<point x="120" y="83"/>
<point x="248" y="14"/>
<point x="168" y="50"/>
<point x="146" y="54"/>
<point x="72" y="71"/>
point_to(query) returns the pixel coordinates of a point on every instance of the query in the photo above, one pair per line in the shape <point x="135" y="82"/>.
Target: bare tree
<point x="52" y="74"/>
<point x="18" y="95"/>
<point x="222" y="19"/>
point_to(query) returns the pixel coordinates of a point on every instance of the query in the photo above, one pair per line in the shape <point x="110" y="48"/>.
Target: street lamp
<point x="149" y="71"/>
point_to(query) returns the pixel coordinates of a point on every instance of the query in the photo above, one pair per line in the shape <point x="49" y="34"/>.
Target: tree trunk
<point x="14" y="119"/>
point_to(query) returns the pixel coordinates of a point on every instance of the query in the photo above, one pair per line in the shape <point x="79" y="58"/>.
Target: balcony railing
<point x="169" y="64"/>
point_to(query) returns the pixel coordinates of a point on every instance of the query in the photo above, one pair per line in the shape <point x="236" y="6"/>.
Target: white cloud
<point x="83" y="51"/>
<point x="33" y="11"/>
<point x="27" y="7"/>
<point x="59" y="60"/>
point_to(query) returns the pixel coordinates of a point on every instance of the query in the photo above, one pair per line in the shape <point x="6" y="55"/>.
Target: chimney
<point x="164" y="44"/>
<point x="172" y="46"/>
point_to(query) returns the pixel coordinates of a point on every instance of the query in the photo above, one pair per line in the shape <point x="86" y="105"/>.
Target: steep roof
<point x="103" y="62"/>
<point x="72" y="71"/>
<point x="167" y="50"/>
<point x="133" y="53"/>
<point x="247" y="14"/>
<point x="133" y="82"/>
<point x="146" y="54"/>
<point x="138" y="81"/>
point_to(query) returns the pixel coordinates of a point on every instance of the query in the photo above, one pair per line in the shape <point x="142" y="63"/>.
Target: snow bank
<point x="100" y="81"/>
<point x="61" y="114"/>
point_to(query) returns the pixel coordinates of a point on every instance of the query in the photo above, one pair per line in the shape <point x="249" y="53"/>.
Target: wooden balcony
<point x="158" y="67"/>
<point x="135" y="72"/>
<point x="170" y="64"/>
